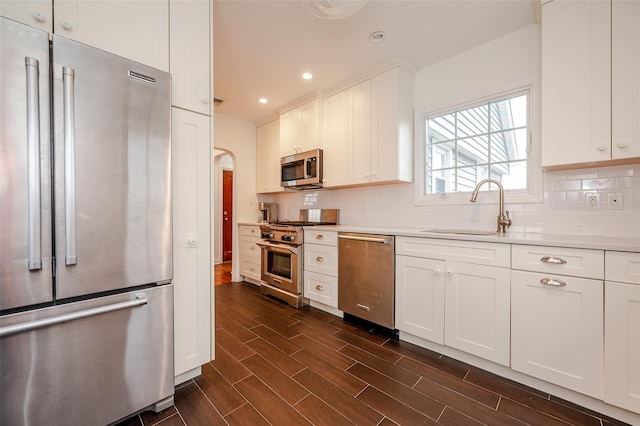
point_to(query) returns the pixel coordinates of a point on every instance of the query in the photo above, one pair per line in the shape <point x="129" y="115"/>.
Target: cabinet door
<point x="190" y="55"/>
<point x="321" y="259"/>
<point x="576" y="81"/>
<point x="35" y="13"/>
<point x="359" y="136"/>
<point x="191" y="170"/>
<point x="477" y="310"/>
<point x="420" y="297"/>
<point x="625" y="130"/>
<point x="268" y="158"/>
<point x="334" y="135"/>
<point x="289" y="133"/>
<point x="309" y="126"/>
<point x="622" y="345"/>
<point x="557" y="330"/>
<point x="137" y="30"/>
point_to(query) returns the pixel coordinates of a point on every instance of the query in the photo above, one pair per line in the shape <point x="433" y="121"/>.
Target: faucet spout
<point x="504" y="221"/>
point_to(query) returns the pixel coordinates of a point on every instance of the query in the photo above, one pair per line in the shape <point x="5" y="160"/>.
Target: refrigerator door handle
<point x="32" y="67"/>
<point x="68" y="83"/>
<point x="140" y="300"/>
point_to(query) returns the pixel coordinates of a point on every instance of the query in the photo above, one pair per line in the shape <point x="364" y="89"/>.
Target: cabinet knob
<point x="319" y="287"/>
<point x="602" y="148"/>
<point x="39" y="17"/>
<point x="205" y="100"/>
<point x="622" y="145"/>
<point x="437" y="272"/>
<point x="66" y="25"/>
<point x="319" y="237"/>
<point x="449" y="272"/>
<point x="319" y="259"/>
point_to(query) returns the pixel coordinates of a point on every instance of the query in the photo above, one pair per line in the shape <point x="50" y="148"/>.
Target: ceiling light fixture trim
<point x="333" y="9"/>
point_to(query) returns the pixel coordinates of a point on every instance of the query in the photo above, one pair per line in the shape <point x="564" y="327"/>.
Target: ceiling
<point x="262" y="47"/>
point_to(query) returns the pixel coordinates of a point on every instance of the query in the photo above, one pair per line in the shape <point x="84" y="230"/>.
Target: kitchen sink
<point x="460" y="231"/>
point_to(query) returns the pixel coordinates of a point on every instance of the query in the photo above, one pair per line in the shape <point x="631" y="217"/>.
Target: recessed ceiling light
<point x="307" y="76"/>
<point x="262" y="100"/>
<point x="376" y="37"/>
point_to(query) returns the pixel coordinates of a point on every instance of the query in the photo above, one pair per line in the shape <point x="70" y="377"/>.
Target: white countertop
<point x="557" y="240"/>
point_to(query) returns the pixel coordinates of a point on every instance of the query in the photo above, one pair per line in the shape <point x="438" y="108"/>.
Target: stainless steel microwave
<point x="302" y="170"/>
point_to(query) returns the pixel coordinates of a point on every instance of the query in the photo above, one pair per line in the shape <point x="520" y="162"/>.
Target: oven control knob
<point x="266" y="235"/>
<point x="289" y="238"/>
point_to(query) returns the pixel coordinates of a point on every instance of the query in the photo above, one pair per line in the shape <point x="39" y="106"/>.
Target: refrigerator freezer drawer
<point x="89" y="362"/>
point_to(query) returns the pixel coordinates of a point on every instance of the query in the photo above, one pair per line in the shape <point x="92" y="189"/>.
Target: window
<point x="489" y="139"/>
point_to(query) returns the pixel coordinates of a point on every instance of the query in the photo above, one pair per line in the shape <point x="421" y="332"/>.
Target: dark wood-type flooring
<point x="281" y="366"/>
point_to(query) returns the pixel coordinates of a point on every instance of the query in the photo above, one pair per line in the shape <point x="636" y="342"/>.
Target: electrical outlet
<point x="614" y="201"/>
<point x="592" y="200"/>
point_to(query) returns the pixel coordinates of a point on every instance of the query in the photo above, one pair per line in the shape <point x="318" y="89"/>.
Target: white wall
<point x="495" y="66"/>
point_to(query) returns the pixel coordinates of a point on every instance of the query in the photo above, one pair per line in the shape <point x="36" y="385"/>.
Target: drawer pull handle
<point x="320" y="259"/>
<point x="553" y="259"/>
<point x="551" y="281"/>
<point x="319" y="287"/>
<point x="319" y="237"/>
<point x="364" y="308"/>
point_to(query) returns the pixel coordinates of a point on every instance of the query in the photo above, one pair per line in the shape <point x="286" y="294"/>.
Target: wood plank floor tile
<point x="393" y="409"/>
<point x="174" y="420"/>
<point x="369" y="346"/>
<point x="239" y="317"/>
<point x="451" y="417"/>
<point x="268" y="403"/>
<point x="448" y="365"/>
<point x="279" y="323"/>
<point x="350" y="407"/>
<point x="287" y="388"/>
<point x="285" y="345"/>
<point x="246" y="415"/>
<point x="320" y="334"/>
<point x="527" y="414"/>
<point x="319" y="413"/>
<point x="229" y="367"/>
<point x="232" y="345"/>
<point x="234" y="328"/>
<point x="285" y="362"/>
<point x="338" y="376"/>
<point x="425" y="404"/>
<point x="195" y="408"/>
<point x="330" y="355"/>
<point x="151" y="418"/>
<point x="394" y="371"/>
<point x="483" y="396"/>
<point x="219" y="391"/>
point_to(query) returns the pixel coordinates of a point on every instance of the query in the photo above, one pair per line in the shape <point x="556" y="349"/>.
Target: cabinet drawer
<point x="250" y="230"/>
<point x="489" y="254"/>
<point x="622" y="267"/>
<point x="559" y="260"/>
<point x="327" y="238"/>
<point x="321" y="259"/>
<point x="250" y="268"/>
<point x="321" y="288"/>
<point x="249" y="248"/>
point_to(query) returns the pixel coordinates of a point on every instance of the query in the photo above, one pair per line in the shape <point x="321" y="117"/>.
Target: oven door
<point x="280" y="266"/>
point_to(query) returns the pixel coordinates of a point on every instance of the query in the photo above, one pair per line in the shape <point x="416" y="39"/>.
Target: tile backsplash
<point x="564" y="210"/>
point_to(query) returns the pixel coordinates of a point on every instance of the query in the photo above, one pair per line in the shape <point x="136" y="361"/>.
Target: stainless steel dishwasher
<point x="366" y="277"/>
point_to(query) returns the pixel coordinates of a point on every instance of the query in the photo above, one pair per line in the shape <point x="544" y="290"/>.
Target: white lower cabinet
<point x="320" y="274"/>
<point x="557" y="330"/>
<point x="622" y="330"/>
<point x="477" y="310"/>
<point x="445" y="294"/>
<point x="250" y="253"/>
<point x="420" y="297"/>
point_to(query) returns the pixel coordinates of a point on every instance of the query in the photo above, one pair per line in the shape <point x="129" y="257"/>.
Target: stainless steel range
<point x="282" y="256"/>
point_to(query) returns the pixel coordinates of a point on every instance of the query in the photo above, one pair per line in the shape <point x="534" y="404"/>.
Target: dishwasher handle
<point x="383" y="240"/>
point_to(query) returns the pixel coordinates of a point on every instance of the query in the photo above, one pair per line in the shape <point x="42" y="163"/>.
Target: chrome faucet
<point x="504" y="221"/>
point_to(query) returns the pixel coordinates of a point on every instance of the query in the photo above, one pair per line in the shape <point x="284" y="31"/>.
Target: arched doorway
<point x="223" y="214"/>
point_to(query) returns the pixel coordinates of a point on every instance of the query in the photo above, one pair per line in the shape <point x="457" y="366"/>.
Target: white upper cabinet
<point x="625" y="83"/>
<point x="38" y="14"/>
<point x="190" y="47"/>
<point x="335" y="132"/>
<point x="137" y="30"/>
<point x="268" y="158"/>
<point x="300" y="128"/>
<point x="590" y="81"/>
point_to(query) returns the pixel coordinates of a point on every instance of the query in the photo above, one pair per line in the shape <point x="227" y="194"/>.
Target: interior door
<point x="227" y="206"/>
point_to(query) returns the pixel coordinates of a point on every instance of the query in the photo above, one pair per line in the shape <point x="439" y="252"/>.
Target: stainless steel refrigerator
<point x="86" y="300"/>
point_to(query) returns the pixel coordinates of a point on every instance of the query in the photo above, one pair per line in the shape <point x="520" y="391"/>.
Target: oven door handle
<point x="282" y="248"/>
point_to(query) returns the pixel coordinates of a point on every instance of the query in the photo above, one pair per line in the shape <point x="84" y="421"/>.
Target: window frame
<point x="534" y="191"/>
